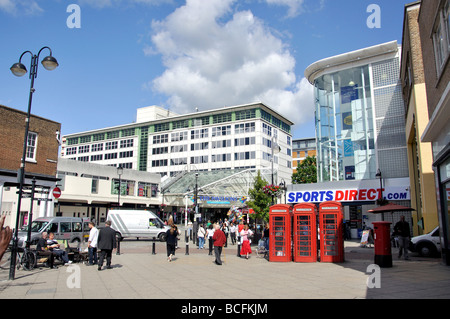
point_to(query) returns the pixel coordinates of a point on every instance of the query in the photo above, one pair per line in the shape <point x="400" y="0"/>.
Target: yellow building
<point x="301" y="149"/>
<point x="420" y="155"/>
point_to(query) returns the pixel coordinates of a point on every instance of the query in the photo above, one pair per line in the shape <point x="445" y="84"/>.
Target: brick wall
<point x="12" y="131"/>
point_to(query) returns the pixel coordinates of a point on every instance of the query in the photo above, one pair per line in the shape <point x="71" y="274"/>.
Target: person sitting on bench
<point x="54" y="247"/>
<point x="42" y="250"/>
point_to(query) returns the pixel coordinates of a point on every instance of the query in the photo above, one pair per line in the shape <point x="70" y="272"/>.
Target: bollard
<point x="187" y="243"/>
<point x="118" y="246"/>
<point x="154" y="247"/>
<point x="239" y="246"/>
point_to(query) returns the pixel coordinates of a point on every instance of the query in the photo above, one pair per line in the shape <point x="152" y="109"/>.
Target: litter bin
<point x="383" y="254"/>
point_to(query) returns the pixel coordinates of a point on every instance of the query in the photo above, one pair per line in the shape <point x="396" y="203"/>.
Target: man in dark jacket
<point x="401" y="229"/>
<point x="219" y="240"/>
<point x="106" y="243"/>
<point x="42" y="250"/>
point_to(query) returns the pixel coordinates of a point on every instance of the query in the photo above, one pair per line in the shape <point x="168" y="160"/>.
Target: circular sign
<point x="56" y="192"/>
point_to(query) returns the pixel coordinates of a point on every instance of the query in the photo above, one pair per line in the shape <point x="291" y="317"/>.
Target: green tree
<point x="259" y="201"/>
<point x="306" y="171"/>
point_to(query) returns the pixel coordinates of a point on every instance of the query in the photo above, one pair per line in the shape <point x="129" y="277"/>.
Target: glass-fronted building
<point x="360" y="115"/>
<point x="360" y="135"/>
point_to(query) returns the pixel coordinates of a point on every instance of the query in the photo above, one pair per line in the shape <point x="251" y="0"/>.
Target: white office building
<point x="233" y="139"/>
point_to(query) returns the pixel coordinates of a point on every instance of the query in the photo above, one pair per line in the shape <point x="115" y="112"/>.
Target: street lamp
<point x="119" y="172"/>
<point x="18" y="69"/>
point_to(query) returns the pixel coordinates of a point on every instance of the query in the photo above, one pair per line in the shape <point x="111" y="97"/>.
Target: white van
<point x="74" y="229"/>
<point x="137" y="223"/>
<point x="427" y="245"/>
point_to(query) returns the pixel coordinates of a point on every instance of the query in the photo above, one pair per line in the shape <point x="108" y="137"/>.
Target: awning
<point x="390" y="207"/>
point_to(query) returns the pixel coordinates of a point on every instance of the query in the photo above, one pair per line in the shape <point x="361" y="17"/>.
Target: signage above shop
<point x="343" y="192"/>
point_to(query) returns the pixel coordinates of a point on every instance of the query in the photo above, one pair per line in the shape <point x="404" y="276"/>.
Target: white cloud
<point x="295" y="7"/>
<point x="215" y="56"/>
<point x="108" y="3"/>
<point x="27" y="7"/>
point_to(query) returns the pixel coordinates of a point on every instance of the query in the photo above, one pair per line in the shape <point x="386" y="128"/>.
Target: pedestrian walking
<point x="201" y="233"/>
<point x="106" y="242"/>
<point x="210" y="233"/>
<point x="402" y="230"/>
<point x="233" y="233"/>
<point x="171" y="241"/>
<point x="92" y="244"/>
<point x="246" y="233"/>
<point x="219" y="240"/>
<point x="225" y="230"/>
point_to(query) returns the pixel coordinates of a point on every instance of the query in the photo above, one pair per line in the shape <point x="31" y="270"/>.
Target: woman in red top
<point x="245" y="234"/>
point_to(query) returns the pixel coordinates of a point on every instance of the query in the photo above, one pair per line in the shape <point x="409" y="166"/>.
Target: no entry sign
<point x="56" y="192"/>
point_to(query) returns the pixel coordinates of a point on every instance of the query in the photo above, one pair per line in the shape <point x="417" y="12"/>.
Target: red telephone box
<point x="280" y="223"/>
<point x="331" y="232"/>
<point x="305" y="232"/>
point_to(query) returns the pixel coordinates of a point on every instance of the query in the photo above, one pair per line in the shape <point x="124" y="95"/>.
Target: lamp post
<point x="381" y="200"/>
<point x="119" y="172"/>
<point x="18" y="69"/>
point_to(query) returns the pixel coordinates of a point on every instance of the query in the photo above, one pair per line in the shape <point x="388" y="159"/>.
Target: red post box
<point x="280" y="224"/>
<point x="331" y="219"/>
<point x="305" y="232"/>
<point x="382" y="234"/>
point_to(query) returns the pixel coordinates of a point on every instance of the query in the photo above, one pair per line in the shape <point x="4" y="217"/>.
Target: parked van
<point x="427" y="245"/>
<point x="137" y="223"/>
<point x="74" y="229"/>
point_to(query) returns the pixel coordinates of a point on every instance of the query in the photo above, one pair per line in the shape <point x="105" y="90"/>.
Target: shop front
<point x="357" y="198"/>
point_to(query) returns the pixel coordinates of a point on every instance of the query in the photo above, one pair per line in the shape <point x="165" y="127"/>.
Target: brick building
<point x="41" y="158"/>
<point x="420" y="157"/>
<point x="434" y="25"/>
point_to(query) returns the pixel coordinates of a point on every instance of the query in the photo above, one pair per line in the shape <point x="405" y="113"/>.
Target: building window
<point x="147" y="189"/>
<point x="126" y="154"/>
<point x="31" y="146"/>
<point x="126" y="143"/>
<point x="159" y="139"/>
<point x="126" y="187"/>
<point x="83" y="149"/>
<point x="111" y="145"/>
<point x="71" y="151"/>
<point x="179" y="136"/>
<point x="94" y="186"/>
<point x="159" y="163"/>
<point x="441" y="37"/>
<point x="97" y="157"/>
<point x="201" y="133"/>
<point x="97" y="147"/>
<point x="109" y="156"/>
<point x="221" y="131"/>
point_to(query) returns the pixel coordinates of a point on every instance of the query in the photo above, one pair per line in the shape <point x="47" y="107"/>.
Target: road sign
<point x="56" y="192"/>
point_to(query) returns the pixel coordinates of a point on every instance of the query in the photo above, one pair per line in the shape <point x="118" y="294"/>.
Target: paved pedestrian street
<point x="138" y="274"/>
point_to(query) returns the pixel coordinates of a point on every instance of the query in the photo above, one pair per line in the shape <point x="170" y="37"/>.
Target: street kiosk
<point x="331" y="218"/>
<point x="280" y="224"/>
<point x="305" y="232"/>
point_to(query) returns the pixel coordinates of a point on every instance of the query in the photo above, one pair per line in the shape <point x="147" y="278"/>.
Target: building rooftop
<point x="350" y="59"/>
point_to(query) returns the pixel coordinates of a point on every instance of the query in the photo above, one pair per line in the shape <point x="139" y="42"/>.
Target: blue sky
<point x="179" y="54"/>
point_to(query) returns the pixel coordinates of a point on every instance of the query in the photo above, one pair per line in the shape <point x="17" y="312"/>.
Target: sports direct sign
<point x="347" y="194"/>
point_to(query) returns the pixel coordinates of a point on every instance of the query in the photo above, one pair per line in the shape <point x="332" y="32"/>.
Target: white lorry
<point x="137" y="223"/>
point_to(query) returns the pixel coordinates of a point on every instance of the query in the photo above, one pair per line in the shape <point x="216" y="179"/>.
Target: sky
<point x="119" y="55"/>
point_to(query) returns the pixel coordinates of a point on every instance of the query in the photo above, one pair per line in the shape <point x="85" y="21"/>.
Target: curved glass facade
<point x="345" y="125"/>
